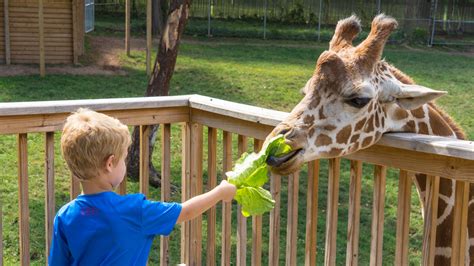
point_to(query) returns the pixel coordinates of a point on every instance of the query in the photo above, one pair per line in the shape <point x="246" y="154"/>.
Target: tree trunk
<point x="159" y="82"/>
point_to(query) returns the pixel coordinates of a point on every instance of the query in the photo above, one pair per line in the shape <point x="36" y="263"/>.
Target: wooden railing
<point x="410" y="153"/>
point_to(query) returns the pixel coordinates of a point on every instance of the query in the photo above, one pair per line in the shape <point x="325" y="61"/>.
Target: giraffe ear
<point x="307" y="87"/>
<point x="413" y="96"/>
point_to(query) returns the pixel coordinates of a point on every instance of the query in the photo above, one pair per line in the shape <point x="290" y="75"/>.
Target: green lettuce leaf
<point x="254" y="200"/>
<point x="251" y="172"/>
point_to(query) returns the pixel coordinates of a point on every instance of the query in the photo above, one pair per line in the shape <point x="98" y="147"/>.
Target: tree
<point x="159" y="82"/>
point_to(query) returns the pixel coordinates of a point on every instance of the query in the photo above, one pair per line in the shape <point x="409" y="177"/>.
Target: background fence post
<point x="434" y="6"/>
<point x="319" y="20"/>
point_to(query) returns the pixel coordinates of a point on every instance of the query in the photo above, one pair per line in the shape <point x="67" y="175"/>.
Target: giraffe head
<point x="350" y="100"/>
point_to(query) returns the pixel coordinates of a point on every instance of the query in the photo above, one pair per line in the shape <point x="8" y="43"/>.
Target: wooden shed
<point x="41" y="31"/>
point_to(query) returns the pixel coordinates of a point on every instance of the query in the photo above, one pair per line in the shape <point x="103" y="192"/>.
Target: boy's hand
<point x="227" y="191"/>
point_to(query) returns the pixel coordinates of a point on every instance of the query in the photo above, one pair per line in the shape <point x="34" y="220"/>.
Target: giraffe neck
<point x="430" y="120"/>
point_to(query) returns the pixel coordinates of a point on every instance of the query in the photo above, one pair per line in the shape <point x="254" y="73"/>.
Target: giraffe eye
<point x="358" y="102"/>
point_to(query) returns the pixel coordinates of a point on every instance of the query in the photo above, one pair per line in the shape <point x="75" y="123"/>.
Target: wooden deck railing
<point x="410" y="153"/>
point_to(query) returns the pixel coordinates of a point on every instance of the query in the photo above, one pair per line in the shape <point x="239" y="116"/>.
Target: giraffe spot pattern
<point x="321" y="113"/>
<point x="423" y="128"/>
<point x="329" y="127"/>
<point x="438" y="126"/>
<point x="355" y="138"/>
<point x="367" y="141"/>
<point x="309" y="119"/>
<point x="370" y="124"/>
<point x="409" y="127"/>
<point x="323" y="140"/>
<point x="400" y="114"/>
<point x="344" y="134"/>
<point x="360" y="124"/>
<point x="418" y="113"/>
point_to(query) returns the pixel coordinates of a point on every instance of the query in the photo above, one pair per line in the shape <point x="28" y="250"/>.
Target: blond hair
<point x="89" y="138"/>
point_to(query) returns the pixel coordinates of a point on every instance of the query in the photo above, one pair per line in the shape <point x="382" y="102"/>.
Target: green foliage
<point x="419" y="35"/>
<point x="295" y="15"/>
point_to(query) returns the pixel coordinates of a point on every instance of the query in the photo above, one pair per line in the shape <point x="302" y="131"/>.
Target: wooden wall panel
<point x="24" y="32"/>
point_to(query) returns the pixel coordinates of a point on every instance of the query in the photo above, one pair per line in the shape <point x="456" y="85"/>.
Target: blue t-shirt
<point x="109" y="229"/>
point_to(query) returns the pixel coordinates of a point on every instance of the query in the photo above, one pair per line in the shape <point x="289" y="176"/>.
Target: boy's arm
<point x="199" y="204"/>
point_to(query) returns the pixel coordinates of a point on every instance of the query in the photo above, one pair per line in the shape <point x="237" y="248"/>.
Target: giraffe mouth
<point x="274" y="161"/>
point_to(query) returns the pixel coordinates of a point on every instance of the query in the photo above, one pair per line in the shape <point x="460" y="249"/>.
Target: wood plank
<point x="57" y="7"/>
<point x="196" y="189"/>
<point x="432" y="164"/>
<point x="186" y="191"/>
<point x="236" y="110"/>
<point x="54" y="122"/>
<point x="292" y="219"/>
<point x="16" y="24"/>
<point x="24" y="212"/>
<point x="212" y="182"/>
<point x="403" y="218"/>
<point x="352" y="250"/>
<point x="75" y="188"/>
<point x="41" y="38"/>
<point x="127" y="26"/>
<point x="238" y="126"/>
<point x="34" y="19"/>
<point x="148" y="37"/>
<point x="75" y="33"/>
<point x="461" y="203"/>
<point x="48" y="34"/>
<point x="35" y="30"/>
<point x="81" y="26"/>
<point x="49" y="207"/>
<point x="165" y="185"/>
<point x="241" y="220"/>
<point x="430" y="219"/>
<point x="226" y="206"/>
<point x="274" y="239"/>
<point x="332" y="206"/>
<point x="122" y="188"/>
<point x="376" y="243"/>
<point x="312" y="213"/>
<point x="257" y="223"/>
<point x="145" y="131"/>
<point x="156" y="103"/>
<point x="35" y="53"/>
<point x="7" y="31"/>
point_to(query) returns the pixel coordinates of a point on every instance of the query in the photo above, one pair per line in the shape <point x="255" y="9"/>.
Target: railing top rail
<point x="67" y="106"/>
<point x="422" y="143"/>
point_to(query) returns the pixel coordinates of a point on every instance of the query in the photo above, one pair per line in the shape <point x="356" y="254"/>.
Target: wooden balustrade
<point x="433" y="156"/>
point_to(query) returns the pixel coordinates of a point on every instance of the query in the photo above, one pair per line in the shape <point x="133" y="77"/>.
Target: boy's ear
<point x="109" y="163"/>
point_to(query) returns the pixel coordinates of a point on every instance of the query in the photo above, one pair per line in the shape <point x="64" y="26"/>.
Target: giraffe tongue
<point x="277" y="161"/>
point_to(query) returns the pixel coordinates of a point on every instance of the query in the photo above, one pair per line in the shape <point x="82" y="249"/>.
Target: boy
<point x="101" y="227"/>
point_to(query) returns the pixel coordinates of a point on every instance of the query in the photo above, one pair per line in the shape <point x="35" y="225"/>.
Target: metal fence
<point x="433" y="22"/>
<point x="89" y="15"/>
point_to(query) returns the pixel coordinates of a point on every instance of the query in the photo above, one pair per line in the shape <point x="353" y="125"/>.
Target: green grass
<point x="255" y="72"/>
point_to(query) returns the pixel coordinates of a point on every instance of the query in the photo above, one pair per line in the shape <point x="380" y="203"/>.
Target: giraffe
<point x="352" y="98"/>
